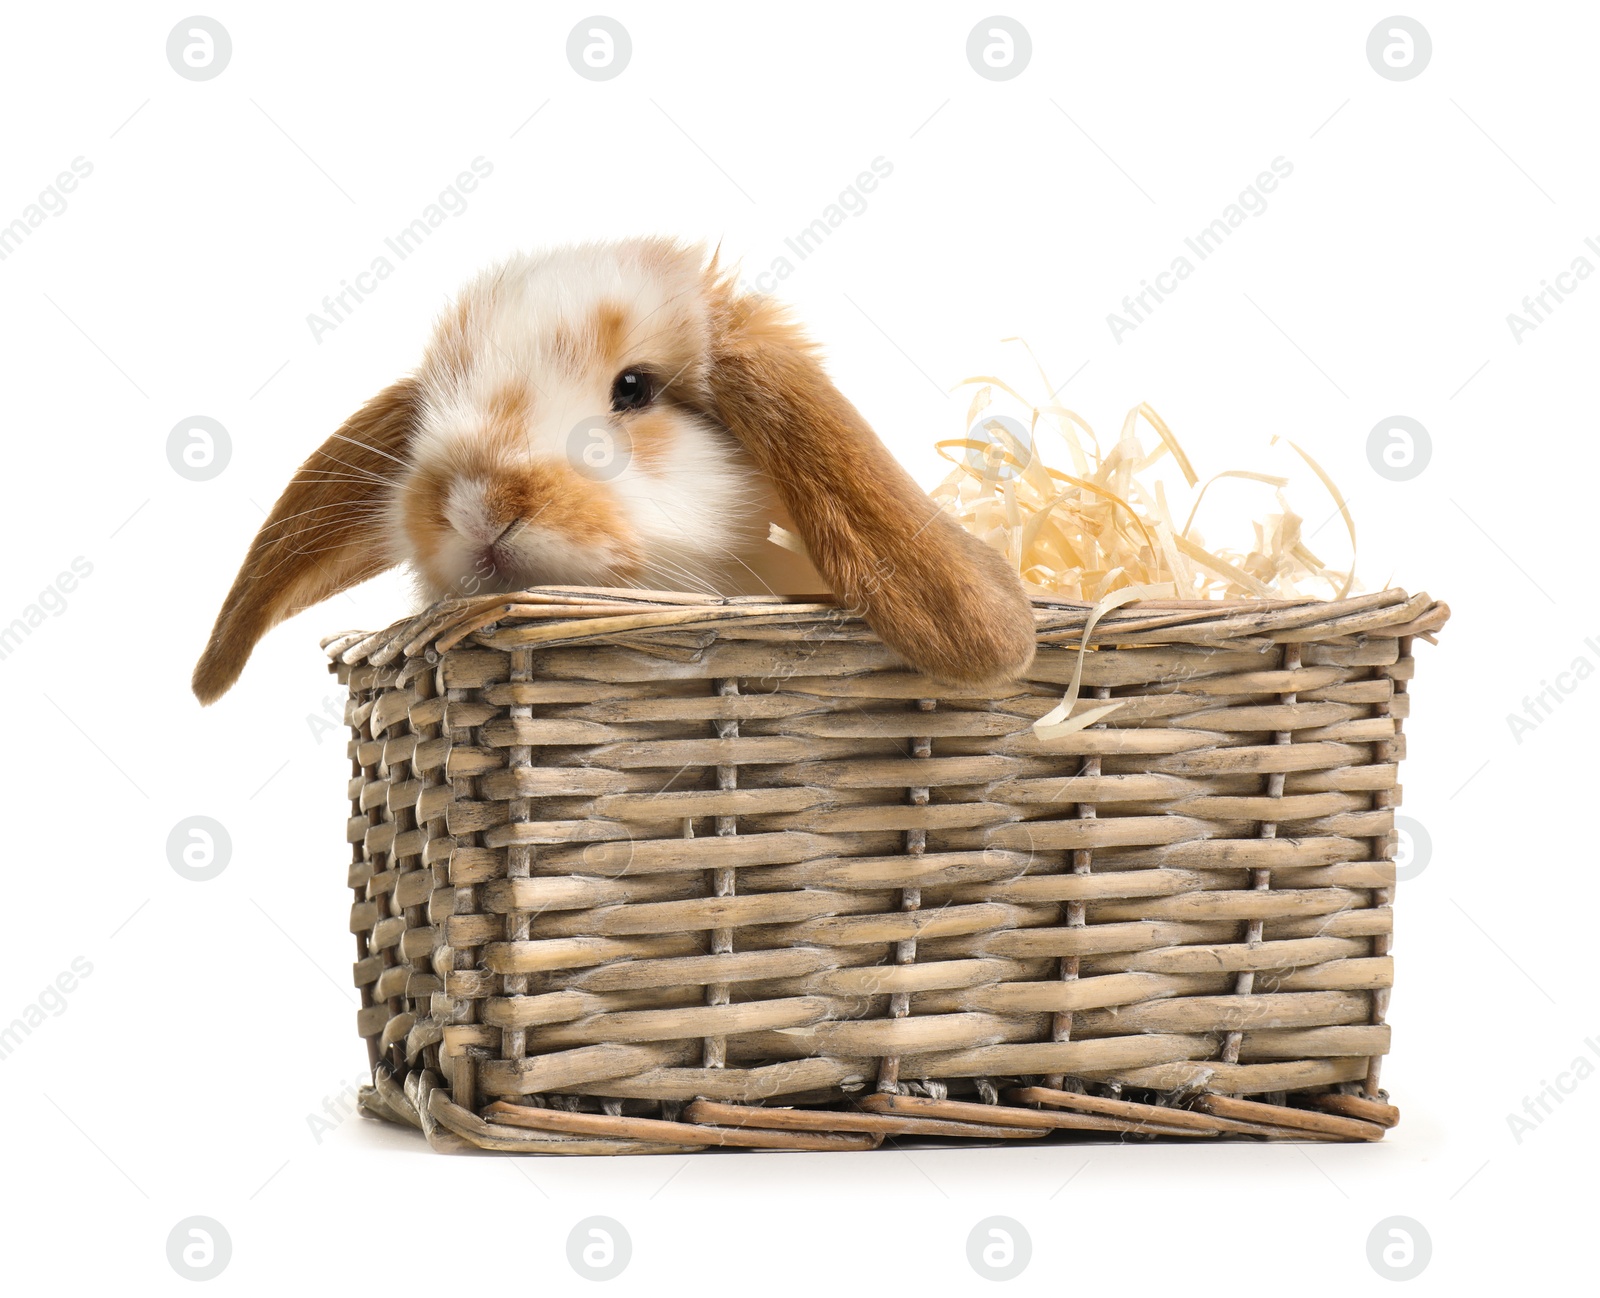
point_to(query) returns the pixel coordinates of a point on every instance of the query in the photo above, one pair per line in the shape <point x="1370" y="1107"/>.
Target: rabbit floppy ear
<point x="947" y="603"/>
<point x="321" y="537"/>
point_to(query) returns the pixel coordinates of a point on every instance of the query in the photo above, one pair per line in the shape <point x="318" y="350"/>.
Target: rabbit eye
<point x="632" y="390"/>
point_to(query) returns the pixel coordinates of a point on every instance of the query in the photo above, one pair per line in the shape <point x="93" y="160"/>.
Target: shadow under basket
<point x="650" y="873"/>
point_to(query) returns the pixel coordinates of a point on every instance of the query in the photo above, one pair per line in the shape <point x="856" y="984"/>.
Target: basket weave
<point x="650" y="873"/>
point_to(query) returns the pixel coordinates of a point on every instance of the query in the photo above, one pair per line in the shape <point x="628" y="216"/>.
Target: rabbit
<point x="620" y="414"/>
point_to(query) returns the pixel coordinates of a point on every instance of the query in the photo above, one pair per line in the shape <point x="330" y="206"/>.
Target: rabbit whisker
<point x="366" y="447"/>
<point x="362" y="470"/>
<point x="326" y="528"/>
<point x="332" y="504"/>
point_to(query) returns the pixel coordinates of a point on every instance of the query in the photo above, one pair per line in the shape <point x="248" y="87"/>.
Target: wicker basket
<point x="643" y="873"/>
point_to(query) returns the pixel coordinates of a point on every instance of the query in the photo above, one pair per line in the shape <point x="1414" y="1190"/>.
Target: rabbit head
<point x="620" y="415"/>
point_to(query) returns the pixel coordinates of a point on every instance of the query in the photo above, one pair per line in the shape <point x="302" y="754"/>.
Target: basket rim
<point x="545" y="616"/>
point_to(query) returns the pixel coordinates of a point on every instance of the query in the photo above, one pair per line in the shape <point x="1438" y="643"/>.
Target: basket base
<point x="420" y="1100"/>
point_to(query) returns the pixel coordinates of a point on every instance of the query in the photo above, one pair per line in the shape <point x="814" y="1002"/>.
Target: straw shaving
<point x="1104" y="523"/>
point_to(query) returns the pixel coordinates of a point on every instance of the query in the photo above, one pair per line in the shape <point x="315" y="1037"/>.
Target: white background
<point x="218" y="1016"/>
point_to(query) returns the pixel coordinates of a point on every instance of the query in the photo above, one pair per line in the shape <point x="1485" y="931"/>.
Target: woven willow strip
<point x="647" y="873"/>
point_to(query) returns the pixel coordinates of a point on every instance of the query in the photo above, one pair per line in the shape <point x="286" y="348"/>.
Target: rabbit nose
<point x="488" y="540"/>
<point x="493" y="555"/>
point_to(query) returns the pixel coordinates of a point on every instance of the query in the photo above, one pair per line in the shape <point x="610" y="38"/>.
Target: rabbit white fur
<point x="619" y="415"/>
